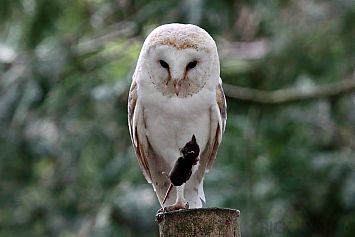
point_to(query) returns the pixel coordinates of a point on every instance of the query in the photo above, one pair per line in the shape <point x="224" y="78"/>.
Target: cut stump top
<point x="199" y="222"/>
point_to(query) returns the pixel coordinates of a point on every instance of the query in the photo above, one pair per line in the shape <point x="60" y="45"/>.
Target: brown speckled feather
<point x="217" y="138"/>
<point x="138" y="146"/>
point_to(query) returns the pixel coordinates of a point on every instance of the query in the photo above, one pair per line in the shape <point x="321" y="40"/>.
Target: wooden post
<point x="205" y="222"/>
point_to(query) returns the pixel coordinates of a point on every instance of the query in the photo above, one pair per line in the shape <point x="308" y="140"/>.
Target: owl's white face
<point x="180" y="60"/>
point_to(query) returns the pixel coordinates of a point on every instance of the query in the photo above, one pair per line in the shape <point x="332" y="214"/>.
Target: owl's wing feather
<point x="135" y="122"/>
<point x="219" y="118"/>
<point x="151" y="164"/>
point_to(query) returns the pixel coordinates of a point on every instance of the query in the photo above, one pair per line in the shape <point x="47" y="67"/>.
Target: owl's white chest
<point x="171" y="122"/>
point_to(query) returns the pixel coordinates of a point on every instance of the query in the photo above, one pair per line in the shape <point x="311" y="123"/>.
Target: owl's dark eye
<point x="163" y="64"/>
<point x="191" y="64"/>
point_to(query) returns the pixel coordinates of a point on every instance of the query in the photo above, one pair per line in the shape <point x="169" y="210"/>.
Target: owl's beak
<point x="177" y="85"/>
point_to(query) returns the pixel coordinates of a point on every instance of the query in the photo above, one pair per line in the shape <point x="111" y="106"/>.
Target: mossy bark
<point x="199" y="222"/>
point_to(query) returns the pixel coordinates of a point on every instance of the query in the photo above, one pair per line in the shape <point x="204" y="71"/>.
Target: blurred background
<point x="67" y="167"/>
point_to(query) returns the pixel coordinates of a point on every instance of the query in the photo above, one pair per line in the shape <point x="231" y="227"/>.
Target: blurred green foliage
<point x="67" y="167"/>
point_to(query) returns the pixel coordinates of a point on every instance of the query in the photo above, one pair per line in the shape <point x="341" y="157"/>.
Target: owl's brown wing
<point x="152" y="165"/>
<point x="135" y="124"/>
<point x="218" y="124"/>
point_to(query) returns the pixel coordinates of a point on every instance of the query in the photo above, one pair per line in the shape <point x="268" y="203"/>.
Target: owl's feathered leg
<point x="180" y="203"/>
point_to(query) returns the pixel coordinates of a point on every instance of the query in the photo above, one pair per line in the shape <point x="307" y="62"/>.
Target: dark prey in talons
<point x="182" y="170"/>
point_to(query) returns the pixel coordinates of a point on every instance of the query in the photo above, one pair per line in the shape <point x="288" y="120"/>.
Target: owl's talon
<point x="166" y="174"/>
<point x="197" y="160"/>
<point x="176" y="206"/>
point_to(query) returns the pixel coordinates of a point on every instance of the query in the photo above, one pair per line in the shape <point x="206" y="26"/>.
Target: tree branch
<point x="114" y="32"/>
<point x="290" y="94"/>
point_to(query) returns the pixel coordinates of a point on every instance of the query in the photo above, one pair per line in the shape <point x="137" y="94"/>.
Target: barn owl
<point x="176" y="92"/>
